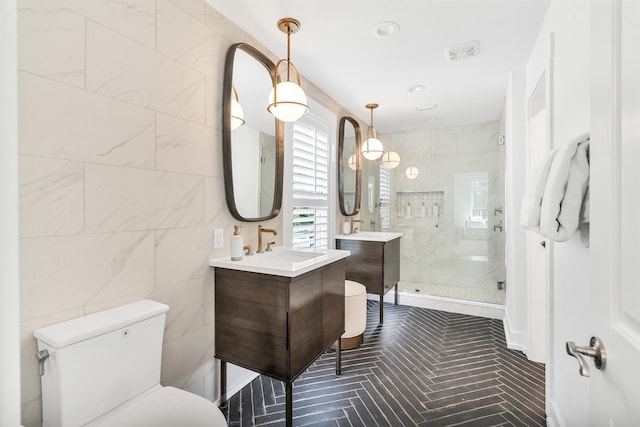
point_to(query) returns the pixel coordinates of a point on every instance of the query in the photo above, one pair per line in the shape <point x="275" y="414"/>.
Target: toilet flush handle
<point x="41" y="356"/>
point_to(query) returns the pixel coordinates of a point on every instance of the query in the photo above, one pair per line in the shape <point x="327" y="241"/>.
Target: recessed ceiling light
<point x="416" y="88"/>
<point x="385" y="29"/>
<point x="426" y="107"/>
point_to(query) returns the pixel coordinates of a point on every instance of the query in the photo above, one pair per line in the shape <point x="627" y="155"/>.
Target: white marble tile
<point x="222" y="26"/>
<point x="187" y="309"/>
<point x="198" y="47"/>
<point x="216" y="211"/>
<point x="214" y="104"/>
<point x="128" y="199"/>
<point x="187" y="147"/>
<point x="456" y="163"/>
<point x="195" y="8"/>
<point x="135" y="19"/>
<point x="196" y="387"/>
<point x="126" y="70"/>
<point x="51" y="41"/>
<point x="443" y="144"/>
<point x="489" y="161"/>
<point x="117" y="301"/>
<point x="59" y="121"/>
<point x="51" y="197"/>
<point x="63" y="273"/>
<point x="188" y="358"/>
<point x="32" y="413"/>
<point x="182" y="254"/>
<point x="481" y="138"/>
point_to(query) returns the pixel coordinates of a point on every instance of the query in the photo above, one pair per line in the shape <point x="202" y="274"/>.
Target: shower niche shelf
<point x="417" y="199"/>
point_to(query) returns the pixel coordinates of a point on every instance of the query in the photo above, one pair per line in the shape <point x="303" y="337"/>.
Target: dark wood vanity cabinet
<point x="374" y="264"/>
<point x="278" y="325"/>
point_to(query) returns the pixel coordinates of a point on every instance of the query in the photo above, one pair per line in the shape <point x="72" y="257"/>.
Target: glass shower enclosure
<point x="451" y="214"/>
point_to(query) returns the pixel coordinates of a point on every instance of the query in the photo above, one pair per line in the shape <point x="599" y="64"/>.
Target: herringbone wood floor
<point x="420" y="368"/>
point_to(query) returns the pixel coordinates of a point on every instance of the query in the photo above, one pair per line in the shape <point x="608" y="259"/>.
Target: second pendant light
<point x="372" y="147"/>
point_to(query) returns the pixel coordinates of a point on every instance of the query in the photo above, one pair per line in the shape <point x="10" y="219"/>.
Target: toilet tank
<point x="100" y="361"/>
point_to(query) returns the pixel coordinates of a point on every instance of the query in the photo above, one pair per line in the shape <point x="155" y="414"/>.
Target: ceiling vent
<point x="463" y="50"/>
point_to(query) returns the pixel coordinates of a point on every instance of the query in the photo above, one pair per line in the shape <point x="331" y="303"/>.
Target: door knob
<point x="595" y="350"/>
<point x="543" y="244"/>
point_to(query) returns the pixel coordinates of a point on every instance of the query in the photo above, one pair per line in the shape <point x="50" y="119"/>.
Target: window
<point x="310" y="183"/>
<point x="385" y="198"/>
<point x="478" y="196"/>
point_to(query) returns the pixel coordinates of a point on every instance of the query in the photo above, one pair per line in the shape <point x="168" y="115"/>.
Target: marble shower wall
<point x="121" y="181"/>
<point x="448" y="260"/>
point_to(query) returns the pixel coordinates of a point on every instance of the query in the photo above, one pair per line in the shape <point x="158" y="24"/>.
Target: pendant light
<point x="287" y="100"/>
<point x="391" y="159"/>
<point x="352" y="162"/>
<point x="412" y="172"/>
<point x="237" y="114"/>
<point x="372" y="147"/>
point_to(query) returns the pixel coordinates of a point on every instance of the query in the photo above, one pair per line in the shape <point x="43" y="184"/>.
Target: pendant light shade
<point x="237" y="114"/>
<point x="287" y="100"/>
<point x="391" y="159"/>
<point x="352" y="162"/>
<point x="372" y="148"/>
<point x="412" y="172"/>
<point x="291" y="104"/>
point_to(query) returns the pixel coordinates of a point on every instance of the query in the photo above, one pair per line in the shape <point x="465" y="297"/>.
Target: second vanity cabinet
<point x="374" y="261"/>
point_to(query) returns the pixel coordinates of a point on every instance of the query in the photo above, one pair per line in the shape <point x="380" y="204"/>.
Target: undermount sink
<point x="282" y="261"/>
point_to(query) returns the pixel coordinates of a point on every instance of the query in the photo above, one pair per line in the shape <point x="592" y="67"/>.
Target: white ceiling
<point x="337" y="50"/>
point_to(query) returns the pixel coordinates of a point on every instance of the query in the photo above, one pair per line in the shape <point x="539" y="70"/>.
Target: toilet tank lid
<point x="99" y="323"/>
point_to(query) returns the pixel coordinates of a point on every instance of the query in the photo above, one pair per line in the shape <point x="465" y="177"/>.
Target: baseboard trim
<point x="515" y="339"/>
<point x="554" y="418"/>
<point x="239" y="386"/>
<point x="451" y="305"/>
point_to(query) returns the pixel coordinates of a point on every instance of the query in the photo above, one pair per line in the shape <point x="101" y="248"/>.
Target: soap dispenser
<point x="237" y="244"/>
<point x="346" y="227"/>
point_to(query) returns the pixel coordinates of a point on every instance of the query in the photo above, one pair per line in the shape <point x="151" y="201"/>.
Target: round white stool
<point x="355" y="314"/>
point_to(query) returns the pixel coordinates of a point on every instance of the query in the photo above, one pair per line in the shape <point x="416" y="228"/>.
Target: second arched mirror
<point x="253" y="147"/>
<point x="349" y="169"/>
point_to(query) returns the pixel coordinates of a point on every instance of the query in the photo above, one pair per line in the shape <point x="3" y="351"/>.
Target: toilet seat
<point x="163" y="407"/>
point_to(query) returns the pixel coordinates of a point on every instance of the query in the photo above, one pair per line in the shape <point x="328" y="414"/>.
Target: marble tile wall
<point x="121" y="181"/>
<point x="447" y="260"/>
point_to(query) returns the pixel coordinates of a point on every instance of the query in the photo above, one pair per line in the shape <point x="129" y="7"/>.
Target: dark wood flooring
<point x="420" y="368"/>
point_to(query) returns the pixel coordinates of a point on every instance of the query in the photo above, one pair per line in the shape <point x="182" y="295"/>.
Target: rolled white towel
<point x="531" y="203"/>
<point x="565" y="190"/>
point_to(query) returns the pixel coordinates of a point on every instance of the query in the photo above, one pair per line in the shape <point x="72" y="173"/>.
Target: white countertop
<point x="371" y="236"/>
<point x="283" y="261"/>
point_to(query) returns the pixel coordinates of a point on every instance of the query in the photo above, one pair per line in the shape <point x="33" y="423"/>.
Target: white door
<point x="536" y="244"/>
<point x="615" y="212"/>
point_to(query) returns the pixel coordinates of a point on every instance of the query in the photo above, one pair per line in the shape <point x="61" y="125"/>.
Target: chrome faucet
<point x="264" y="230"/>
<point x="498" y="226"/>
<point x="354" y="229"/>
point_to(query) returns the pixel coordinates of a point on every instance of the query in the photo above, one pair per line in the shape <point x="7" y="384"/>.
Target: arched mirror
<point x="253" y="147"/>
<point x="349" y="169"/>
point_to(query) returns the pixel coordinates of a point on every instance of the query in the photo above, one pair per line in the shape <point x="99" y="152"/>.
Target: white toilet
<point x="104" y="370"/>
